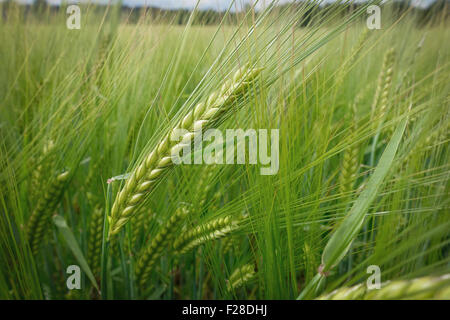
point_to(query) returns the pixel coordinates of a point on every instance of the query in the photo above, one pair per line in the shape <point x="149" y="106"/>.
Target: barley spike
<point x="95" y="240"/>
<point x="415" y="289"/>
<point x="384" y="84"/>
<point x="241" y="276"/>
<point x="209" y="231"/>
<point x="159" y="243"/>
<point x="43" y="211"/>
<point x="150" y="171"/>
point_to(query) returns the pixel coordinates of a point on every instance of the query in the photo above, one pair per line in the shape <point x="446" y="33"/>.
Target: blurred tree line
<point x="435" y="13"/>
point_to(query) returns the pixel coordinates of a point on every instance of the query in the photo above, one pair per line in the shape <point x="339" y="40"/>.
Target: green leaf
<point x="311" y="289"/>
<point x="74" y="247"/>
<point x="343" y="237"/>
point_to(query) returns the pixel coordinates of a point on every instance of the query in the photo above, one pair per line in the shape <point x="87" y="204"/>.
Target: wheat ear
<point x="419" y="288"/>
<point x="215" y="229"/>
<point x="43" y="212"/>
<point x="241" y="276"/>
<point x="159" y="243"/>
<point x="95" y="240"/>
<point x="150" y="171"/>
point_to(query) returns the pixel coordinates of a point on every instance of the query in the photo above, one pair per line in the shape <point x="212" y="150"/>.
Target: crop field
<point x="280" y="153"/>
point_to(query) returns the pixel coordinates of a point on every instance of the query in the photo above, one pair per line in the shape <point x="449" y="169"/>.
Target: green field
<point x="85" y="178"/>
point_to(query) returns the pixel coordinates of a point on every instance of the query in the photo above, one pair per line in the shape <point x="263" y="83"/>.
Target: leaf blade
<point x="68" y="235"/>
<point x="341" y="240"/>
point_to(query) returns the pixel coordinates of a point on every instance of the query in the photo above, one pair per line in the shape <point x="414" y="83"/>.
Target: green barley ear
<point x="205" y="185"/>
<point x="230" y="244"/>
<point x="379" y="105"/>
<point x="384" y="98"/>
<point x="241" y="276"/>
<point x="215" y="229"/>
<point x="139" y="223"/>
<point x="159" y="244"/>
<point x="415" y="289"/>
<point x="44" y="210"/>
<point x="45" y="164"/>
<point x="350" y="161"/>
<point x="150" y="171"/>
<point x="95" y="240"/>
<point x="349" y="170"/>
<point x="356" y="50"/>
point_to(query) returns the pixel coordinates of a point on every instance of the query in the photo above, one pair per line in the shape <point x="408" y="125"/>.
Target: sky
<point x="219" y="5"/>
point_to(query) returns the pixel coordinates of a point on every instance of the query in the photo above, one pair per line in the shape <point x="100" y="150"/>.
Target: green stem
<point x="105" y="245"/>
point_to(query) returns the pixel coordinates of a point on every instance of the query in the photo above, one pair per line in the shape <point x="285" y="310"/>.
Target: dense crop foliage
<point x="85" y="179"/>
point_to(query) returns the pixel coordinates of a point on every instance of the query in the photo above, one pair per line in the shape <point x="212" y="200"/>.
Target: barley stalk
<point x="150" y="171"/>
<point x="241" y="276"/>
<point x="209" y="231"/>
<point x="43" y="211"/>
<point x="419" y="288"/>
<point x="159" y="243"/>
